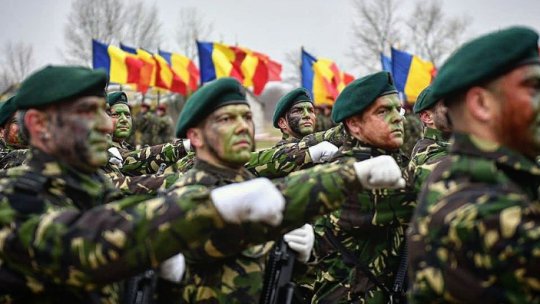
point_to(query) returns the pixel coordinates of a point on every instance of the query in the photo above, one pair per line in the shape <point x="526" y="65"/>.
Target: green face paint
<point x="122" y="122"/>
<point x="229" y="135"/>
<point x="301" y="119"/>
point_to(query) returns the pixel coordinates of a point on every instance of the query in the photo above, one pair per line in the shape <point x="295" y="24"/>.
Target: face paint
<point x="79" y="133"/>
<point x="382" y="124"/>
<point x="518" y="122"/>
<point x="228" y="134"/>
<point x="301" y="119"/>
<point x="122" y="122"/>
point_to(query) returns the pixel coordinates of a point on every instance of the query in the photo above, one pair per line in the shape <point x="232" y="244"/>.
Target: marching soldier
<point x="14" y="144"/>
<point x="294" y="116"/>
<point x="359" y="247"/>
<point x="474" y="237"/>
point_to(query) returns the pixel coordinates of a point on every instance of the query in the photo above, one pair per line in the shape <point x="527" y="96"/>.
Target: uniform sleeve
<point x="279" y="162"/>
<point x="142" y="184"/>
<point x="106" y="243"/>
<point x="147" y="160"/>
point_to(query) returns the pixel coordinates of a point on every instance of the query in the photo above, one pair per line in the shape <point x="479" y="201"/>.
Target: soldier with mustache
<point x="229" y="267"/>
<point x="358" y="247"/>
<point x="294" y="116"/>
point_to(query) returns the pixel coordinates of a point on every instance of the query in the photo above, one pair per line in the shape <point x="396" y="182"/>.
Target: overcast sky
<point x="273" y="27"/>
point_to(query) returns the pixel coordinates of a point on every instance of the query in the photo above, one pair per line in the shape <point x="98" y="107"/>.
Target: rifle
<point x="278" y="287"/>
<point x="140" y="289"/>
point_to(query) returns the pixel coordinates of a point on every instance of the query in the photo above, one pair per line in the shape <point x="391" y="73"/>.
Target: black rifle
<point x="278" y="287"/>
<point x="140" y="289"/>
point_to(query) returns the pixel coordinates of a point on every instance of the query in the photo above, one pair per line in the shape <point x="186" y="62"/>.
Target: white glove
<point x="379" y="172"/>
<point x="187" y="144"/>
<point x="173" y="268"/>
<point x="322" y="151"/>
<point x="301" y="240"/>
<point x="257" y="200"/>
<point x="116" y="158"/>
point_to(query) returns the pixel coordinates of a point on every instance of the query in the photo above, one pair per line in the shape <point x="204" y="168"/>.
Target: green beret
<point x="213" y="95"/>
<point x="116" y="97"/>
<point x="360" y="93"/>
<point x="290" y="99"/>
<point x="485" y="58"/>
<point x="425" y="100"/>
<point x="7" y="109"/>
<point x="54" y="84"/>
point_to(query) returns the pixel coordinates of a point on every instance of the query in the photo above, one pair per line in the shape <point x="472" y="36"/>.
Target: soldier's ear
<point x="426" y="117"/>
<point x="195" y="137"/>
<point x="481" y="104"/>
<point x="282" y="123"/>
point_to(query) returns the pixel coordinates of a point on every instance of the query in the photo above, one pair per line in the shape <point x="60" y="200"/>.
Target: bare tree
<point x="375" y="30"/>
<point x="17" y="63"/>
<point x="143" y="28"/>
<point x="99" y="19"/>
<point x="435" y="35"/>
<point x="192" y="26"/>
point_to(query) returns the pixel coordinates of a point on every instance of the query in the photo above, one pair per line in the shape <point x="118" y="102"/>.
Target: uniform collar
<point x="229" y="175"/>
<point x="436" y="135"/>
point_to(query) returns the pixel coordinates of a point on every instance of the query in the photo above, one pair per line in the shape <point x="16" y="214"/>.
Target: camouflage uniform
<point x="147" y="160"/>
<point x="123" y="147"/>
<point x="371" y="227"/>
<point x="282" y="160"/>
<point x="426" y="154"/>
<point x="164" y="129"/>
<point x="323" y="122"/>
<point x="229" y="267"/>
<point x="61" y="241"/>
<point x="413" y="132"/>
<point x="143" y="184"/>
<point x="479" y="213"/>
<point x="145" y="124"/>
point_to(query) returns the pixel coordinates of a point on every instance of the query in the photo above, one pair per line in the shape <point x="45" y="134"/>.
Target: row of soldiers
<point x="83" y="215"/>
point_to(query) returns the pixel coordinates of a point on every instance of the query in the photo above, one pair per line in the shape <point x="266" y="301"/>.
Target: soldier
<point x="229" y="268"/>
<point x="294" y="116"/>
<point x="143" y="161"/>
<point x="120" y="113"/>
<point x="61" y="241"/>
<point x="433" y="146"/>
<point x="164" y="124"/>
<point x="474" y="237"/>
<point x="323" y="119"/>
<point x="359" y="247"/>
<point x="413" y="132"/>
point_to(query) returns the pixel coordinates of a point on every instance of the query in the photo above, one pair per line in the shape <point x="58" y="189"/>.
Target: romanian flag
<point x="322" y="78"/>
<point x="148" y="70"/>
<point x="184" y="68"/>
<point x="121" y="66"/>
<point x="411" y="74"/>
<point x="386" y="63"/>
<point x="166" y="78"/>
<point x="253" y="69"/>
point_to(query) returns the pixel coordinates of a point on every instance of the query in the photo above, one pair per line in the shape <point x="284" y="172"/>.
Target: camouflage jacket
<point x="286" y="139"/>
<point x="229" y="267"/>
<point x="61" y="242"/>
<point x="123" y="147"/>
<point x="148" y="160"/>
<point x="142" y="184"/>
<point x="371" y="227"/>
<point x="426" y="154"/>
<point x="323" y="122"/>
<point x="282" y="160"/>
<point x="475" y="234"/>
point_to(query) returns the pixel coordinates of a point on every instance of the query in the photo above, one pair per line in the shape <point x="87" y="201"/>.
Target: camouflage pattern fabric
<point x="60" y="242"/>
<point x="323" y="122"/>
<point x="281" y="160"/>
<point x="164" y="125"/>
<point x="13" y="158"/>
<point x="146" y="126"/>
<point x="229" y="267"/>
<point x="474" y="237"/>
<point x="123" y="147"/>
<point x="371" y="226"/>
<point x="185" y="163"/>
<point x="147" y="160"/>
<point x="286" y="139"/>
<point x="413" y="132"/>
<point x="149" y="184"/>
<point x="426" y="154"/>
